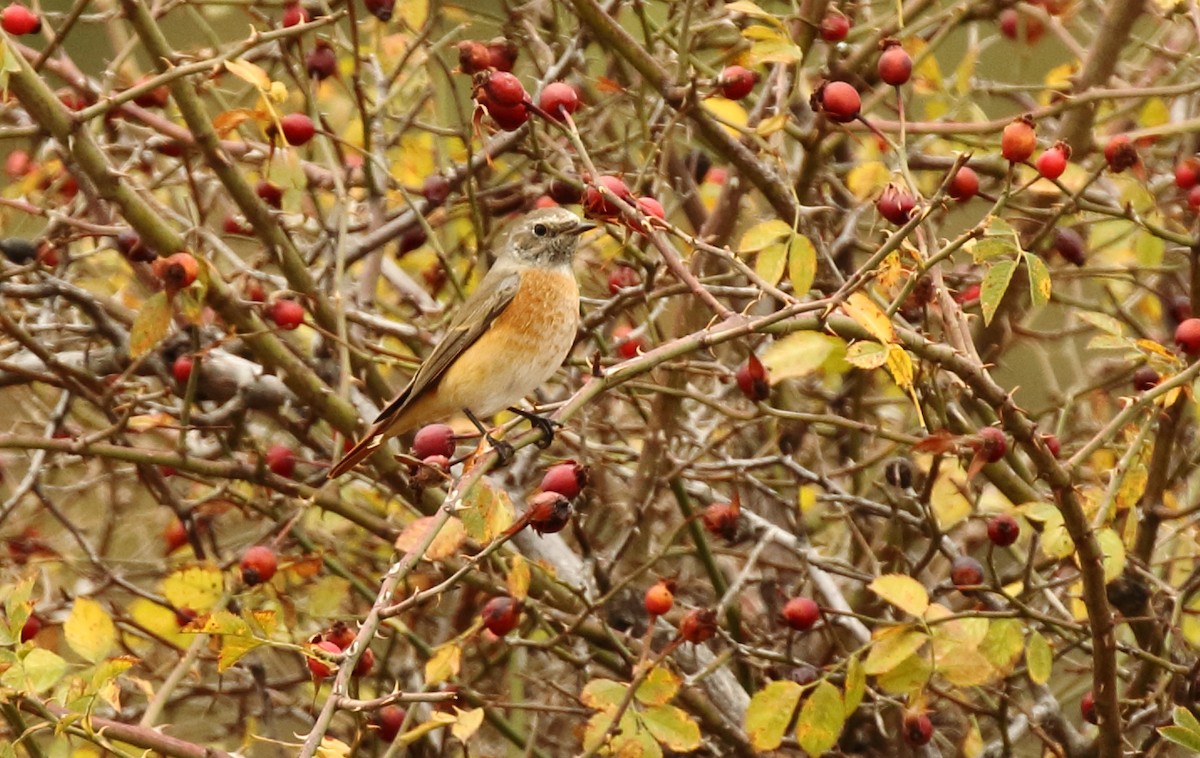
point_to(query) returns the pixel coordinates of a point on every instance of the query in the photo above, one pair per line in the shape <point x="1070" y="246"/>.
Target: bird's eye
<point x="539" y="230"/>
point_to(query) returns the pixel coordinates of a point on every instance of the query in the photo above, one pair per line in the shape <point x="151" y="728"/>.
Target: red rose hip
<point x="287" y="314"/>
<point x="434" y="439"/>
<point x="501" y="615"/>
<point x="1018" y="141"/>
<point x="1187" y="336"/>
<point x="258" y="565"/>
<point x="736" y="82"/>
<point x="964" y="185"/>
<point x="801" y="613"/>
<point x="839" y="101"/>
<point x="834" y="27"/>
<point x="660" y="598"/>
<point x="567" y="479"/>
<point x="558" y="98"/>
<point x="1003" y="530"/>
<point x="18" y="20"/>
<point x="895" y="64"/>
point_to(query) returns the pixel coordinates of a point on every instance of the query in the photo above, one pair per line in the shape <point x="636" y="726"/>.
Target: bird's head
<point x="547" y="237"/>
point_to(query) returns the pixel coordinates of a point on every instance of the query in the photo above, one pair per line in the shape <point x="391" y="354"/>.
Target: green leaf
<point x="1148" y="249"/>
<point x="856" y="684"/>
<point x="1039" y="659"/>
<point x="37" y="672"/>
<point x="1181" y="736"/>
<point x="821" y="720"/>
<point x="486" y="511"/>
<point x="909" y="677"/>
<point x="1039" y="280"/>
<point x="673" y="727"/>
<point x="150" y="325"/>
<point x="891" y="648"/>
<point x="802" y="264"/>
<point x="1103" y="322"/>
<point x="995" y="283"/>
<point x="769" y="713"/>
<point x="902" y="591"/>
<point x="603" y="693"/>
<point x="1003" y="644"/>
<point x="1184" y="718"/>
<point x="991" y="247"/>
<point x="659" y="686"/>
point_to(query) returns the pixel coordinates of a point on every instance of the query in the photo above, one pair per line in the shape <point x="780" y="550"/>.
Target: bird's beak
<point x="583" y="226"/>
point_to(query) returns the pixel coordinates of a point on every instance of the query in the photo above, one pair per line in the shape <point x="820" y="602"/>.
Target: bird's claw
<point x="545" y="425"/>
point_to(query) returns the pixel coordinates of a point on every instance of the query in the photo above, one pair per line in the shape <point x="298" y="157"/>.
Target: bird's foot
<point x="504" y="451"/>
<point x="545" y="425"/>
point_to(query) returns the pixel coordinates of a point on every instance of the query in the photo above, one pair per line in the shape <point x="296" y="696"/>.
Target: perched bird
<point x="506" y="340"/>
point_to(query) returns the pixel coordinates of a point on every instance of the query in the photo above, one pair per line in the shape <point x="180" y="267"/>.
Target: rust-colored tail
<point x="363" y="448"/>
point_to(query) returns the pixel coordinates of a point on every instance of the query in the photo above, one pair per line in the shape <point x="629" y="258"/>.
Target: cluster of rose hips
<point x="333" y="641"/>
<point x="501" y="94"/>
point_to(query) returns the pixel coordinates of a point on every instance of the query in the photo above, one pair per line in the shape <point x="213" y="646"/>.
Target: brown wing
<point x="473" y="318"/>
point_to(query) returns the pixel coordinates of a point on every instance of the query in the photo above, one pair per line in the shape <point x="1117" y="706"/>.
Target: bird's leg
<point x="543" y="424"/>
<point x="502" y="448"/>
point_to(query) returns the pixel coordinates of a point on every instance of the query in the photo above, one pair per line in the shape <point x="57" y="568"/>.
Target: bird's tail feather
<point x="361" y="450"/>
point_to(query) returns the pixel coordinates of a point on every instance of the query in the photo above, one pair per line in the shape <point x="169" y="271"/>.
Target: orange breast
<point x="523" y="348"/>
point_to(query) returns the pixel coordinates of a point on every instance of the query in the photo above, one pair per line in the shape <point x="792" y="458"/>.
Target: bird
<point x="506" y="339"/>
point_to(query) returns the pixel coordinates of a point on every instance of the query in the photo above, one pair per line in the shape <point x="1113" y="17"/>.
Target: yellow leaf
<point x="659" y="686"/>
<point x="1058" y="79"/>
<point x="198" y="588"/>
<point x="963" y="666"/>
<point x="729" y="113"/>
<point x="867" y="179"/>
<point x="866" y="355"/>
<point x="769" y="713"/>
<point x="771" y="125"/>
<point x="927" y="73"/>
<point x="444" y="664"/>
<point x="762" y="235"/>
<point x="150" y="325"/>
<point x="1039" y="659"/>
<point x="902" y="591"/>
<point x="802" y="264"/>
<point x="892" y="647"/>
<point x="899" y="365"/>
<point x="800" y="354"/>
<point x="518" y="578"/>
<point x="437" y="720"/>
<point x="821" y="720"/>
<point x="468" y="723"/>
<point x="89" y="630"/>
<point x="333" y="748"/>
<point x="1154" y="113"/>
<point x="856" y="683"/>
<point x="909" y="677"/>
<point x="445" y="544"/>
<point x="864" y="312"/>
<point x="950" y="505"/>
<point x="770" y="263"/>
<point x="774" y="51"/>
<point x="414" y="13"/>
<point x="753" y="11"/>
<point x="1114" y="553"/>
<point x="248" y="72"/>
<point x="487" y="511"/>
